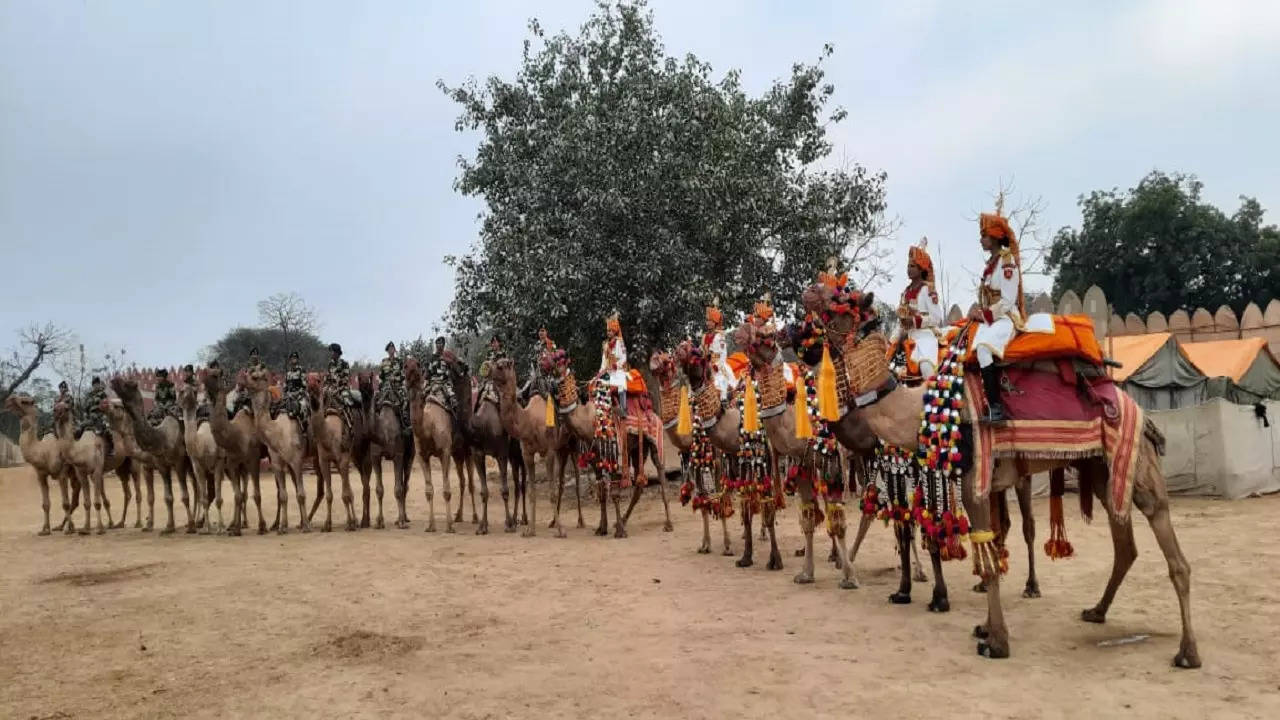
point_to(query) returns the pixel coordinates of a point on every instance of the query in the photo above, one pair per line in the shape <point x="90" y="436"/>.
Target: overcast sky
<point x="164" y="165"/>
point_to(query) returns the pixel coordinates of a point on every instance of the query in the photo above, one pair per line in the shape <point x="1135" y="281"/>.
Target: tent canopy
<point x="1243" y="371"/>
<point x="1156" y="371"/>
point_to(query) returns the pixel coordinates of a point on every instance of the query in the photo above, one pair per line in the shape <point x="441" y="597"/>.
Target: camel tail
<point x="1084" y="482"/>
<point x="1154" y="436"/>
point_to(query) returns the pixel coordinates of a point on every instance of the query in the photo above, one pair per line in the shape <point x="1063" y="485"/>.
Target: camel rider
<point x="440" y="378"/>
<point x="999" y="312"/>
<point x="491" y="358"/>
<point x="296" y="402"/>
<point x="919" y="313"/>
<point x="253" y="367"/>
<point x="391" y="387"/>
<point x="94" y="417"/>
<point x="165" y="399"/>
<point x="542" y="383"/>
<point x="717" y="352"/>
<point x="613" y="361"/>
<point x="65" y="397"/>
<point x="762" y="317"/>
<point x="337" y="381"/>
<point x="189" y="381"/>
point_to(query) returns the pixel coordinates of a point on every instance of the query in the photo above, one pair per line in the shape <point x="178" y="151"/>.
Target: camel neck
<point x="27" y="435"/>
<point x="895" y="419"/>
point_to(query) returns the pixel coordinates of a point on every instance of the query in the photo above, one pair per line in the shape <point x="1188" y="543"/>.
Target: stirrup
<point x="995" y="415"/>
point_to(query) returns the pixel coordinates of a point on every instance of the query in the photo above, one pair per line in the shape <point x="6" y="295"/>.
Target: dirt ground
<point x="399" y="623"/>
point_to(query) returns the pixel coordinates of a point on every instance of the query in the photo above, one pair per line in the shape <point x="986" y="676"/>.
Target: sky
<point x="164" y="166"/>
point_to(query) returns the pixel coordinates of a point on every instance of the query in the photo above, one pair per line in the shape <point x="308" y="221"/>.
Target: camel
<point x="159" y="449"/>
<point x="288" y="447"/>
<point x="238" y="439"/>
<point x="528" y="425"/>
<point x="86" y="457"/>
<point x="894" y="417"/>
<point x="335" y="443"/>
<point x="579" y="427"/>
<point x="490" y="439"/>
<point x="391" y="441"/>
<point x="208" y="460"/>
<point x="436" y="435"/>
<point x="43" y="456"/>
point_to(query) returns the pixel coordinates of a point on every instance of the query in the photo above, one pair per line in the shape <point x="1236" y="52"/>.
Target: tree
<point x="274" y="346"/>
<point x="617" y="177"/>
<point x="288" y="313"/>
<point x="37" y="344"/>
<point x="1159" y="247"/>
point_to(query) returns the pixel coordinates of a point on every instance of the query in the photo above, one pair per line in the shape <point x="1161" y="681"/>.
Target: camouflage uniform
<point x="487" y="391"/>
<point x="440" y="381"/>
<point x="243" y="400"/>
<point x="296" y="403"/>
<point x="391" y="387"/>
<point x="538" y="382"/>
<point x="165" y="402"/>
<point x="64" y="397"/>
<point x="337" y="385"/>
<point x="94" y="418"/>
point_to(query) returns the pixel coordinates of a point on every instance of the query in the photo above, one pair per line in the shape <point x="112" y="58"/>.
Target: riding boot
<point x="996" y="414"/>
<point x="622" y="403"/>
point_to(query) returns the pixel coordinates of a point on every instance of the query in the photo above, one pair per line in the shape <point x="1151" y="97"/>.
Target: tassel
<point x="684" y="423"/>
<point x="750" y="410"/>
<point x="804" y="429"/>
<point x="551" y="413"/>
<point x="1057" y="546"/>
<point x="828" y="402"/>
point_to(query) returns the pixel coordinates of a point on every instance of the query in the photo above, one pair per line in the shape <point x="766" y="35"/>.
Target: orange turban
<point x="996" y="226"/>
<point x="763" y="310"/>
<point x="613" y="324"/>
<point x="919" y="257"/>
<point x="715" y="316"/>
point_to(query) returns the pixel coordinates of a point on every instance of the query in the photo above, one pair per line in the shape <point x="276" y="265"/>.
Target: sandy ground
<point x="404" y="624"/>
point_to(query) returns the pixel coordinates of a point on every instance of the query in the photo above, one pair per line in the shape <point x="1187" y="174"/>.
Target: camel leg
<point x="524" y="495"/>
<point x="150" y="475"/>
<point x="349" y="497"/>
<point x="482" y="526"/>
<point x="446" y="461"/>
<point x="808" y="519"/>
<point x="430" y="493"/>
<point x="559" y="484"/>
<point x="747" y="536"/>
<point x="621" y="529"/>
<point x="300" y="484"/>
<point x="508" y="516"/>
<point x="87" y="494"/>
<point x="863" y="525"/>
<point x="282" y="502"/>
<point x="67" y="505"/>
<point x="324" y="482"/>
<point x="994" y="634"/>
<point x="166" y="477"/>
<point x="940" y="601"/>
<point x="238" y="519"/>
<point x="769" y="520"/>
<point x="917" y="569"/>
<point x="43" y="479"/>
<point x="602" y="489"/>
<point x="1156" y="508"/>
<point x="100" y="501"/>
<point x="186" y="497"/>
<point x="219" y="469"/>
<point x="365" y="468"/>
<point x="401" y="491"/>
<point x="472" y="471"/>
<point x="848" y="581"/>
<point x="577" y="489"/>
<point x="1023" y="491"/>
<point x="667" y="525"/>
<point x="381" y="522"/>
<point x="256" y="471"/>
<point x="532" y="528"/>
<point x="462" y="496"/>
<point x="904" y="535"/>
<point x="123" y="474"/>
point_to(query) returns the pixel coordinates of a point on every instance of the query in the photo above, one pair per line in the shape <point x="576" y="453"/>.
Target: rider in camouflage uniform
<point x="540" y="382"/>
<point x="64" y="397"/>
<point x="337" y="381"/>
<point x="94" y="418"/>
<point x="254" y="366"/>
<point x="487" y="391"/>
<point x="189" y="380"/>
<point x="391" y="387"/>
<point x="440" y="377"/>
<point x="165" y="400"/>
<point x="295" y="391"/>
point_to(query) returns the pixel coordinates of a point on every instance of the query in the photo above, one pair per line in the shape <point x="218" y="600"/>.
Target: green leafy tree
<point x="618" y="177"/>
<point x="1158" y="246"/>
<point x="274" y="346"/>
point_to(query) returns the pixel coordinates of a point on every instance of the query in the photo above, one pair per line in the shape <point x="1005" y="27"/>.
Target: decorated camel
<point x="160" y="449"/>
<point x="615" y="447"/>
<point x="287" y="445"/>
<point x="208" y="460"/>
<point x="340" y="441"/>
<point x="437" y="435"/>
<point x="42" y="454"/>
<point x="86" y="458"/>
<point x="238" y="439"/>
<point x="1065" y="413"/>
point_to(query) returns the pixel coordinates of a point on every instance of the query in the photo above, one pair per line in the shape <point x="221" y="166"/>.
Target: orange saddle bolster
<point x="1072" y="337"/>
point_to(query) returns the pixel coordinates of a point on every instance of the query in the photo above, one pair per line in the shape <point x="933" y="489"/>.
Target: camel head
<point x="758" y="342"/>
<point x="313" y="384"/>
<point x="693" y="362"/>
<point x="365" y="382"/>
<point x="254" y="382"/>
<point x="187" y="397"/>
<point x="127" y="390"/>
<point x="663" y="366"/>
<point x="553" y="363"/>
<point x="412" y="372"/>
<point x="212" y="381"/>
<point x="20" y="405"/>
<point x="503" y="374"/>
<point x="61" y="411"/>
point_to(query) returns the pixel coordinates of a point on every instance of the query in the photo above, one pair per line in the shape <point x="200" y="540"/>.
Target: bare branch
<point x="39" y="343"/>
<point x="289" y="313"/>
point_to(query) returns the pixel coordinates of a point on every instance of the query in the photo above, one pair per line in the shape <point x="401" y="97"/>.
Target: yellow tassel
<point x="750" y="411"/>
<point x="551" y="413"/>
<point x="804" y="429"/>
<point x="684" y="421"/>
<point x="828" y="403"/>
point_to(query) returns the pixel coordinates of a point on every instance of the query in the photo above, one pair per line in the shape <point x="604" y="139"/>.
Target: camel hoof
<point x="282" y="530"/>
<point x="475" y="519"/>
<point x="83" y="530"/>
<point x="803" y="579"/>
<point x="1094" y="615"/>
<point x="800" y="552"/>
<point x="621" y="533"/>
<point x="775" y="562"/>
<point x="43" y="532"/>
<point x="900" y="598"/>
<point x="849" y="584"/>
<point x="601" y="532"/>
<point x="704" y="550"/>
<point x="939" y="605"/>
<point x="191" y="530"/>
<point x="728" y="552"/>
<point x="992" y="652"/>
<point x="1187" y="659"/>
<point x="581" y="524"/>
<point x="668" y="527"/>
<point x="919" y="576"/>
<point x="430" y="529"/>
<point x="381" y="525"/>
<point x="551" y="525"/>
<point x="1032" y="592"/>
<point x="102" y="530"/>
<point x="745" y="562"/>
<point x="509" y="528"/>
<point x="457" y="518"/>
<point x="561" y="534"/>
<point x="980" y="588"/>
<point x="527" y="533"/>
<point x="327" y="527"/>
<point x="450" y="530"/>
<point x="233" y="532"/>
<point x="167" y="531"/>
<point x="138" y="525"/>
<point x="980" y="632"/>
<point x="352" y="527"/>
<point x="364" y="524"/>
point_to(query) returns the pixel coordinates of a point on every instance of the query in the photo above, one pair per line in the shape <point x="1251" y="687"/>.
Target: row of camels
<point x="519" y="438"/>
